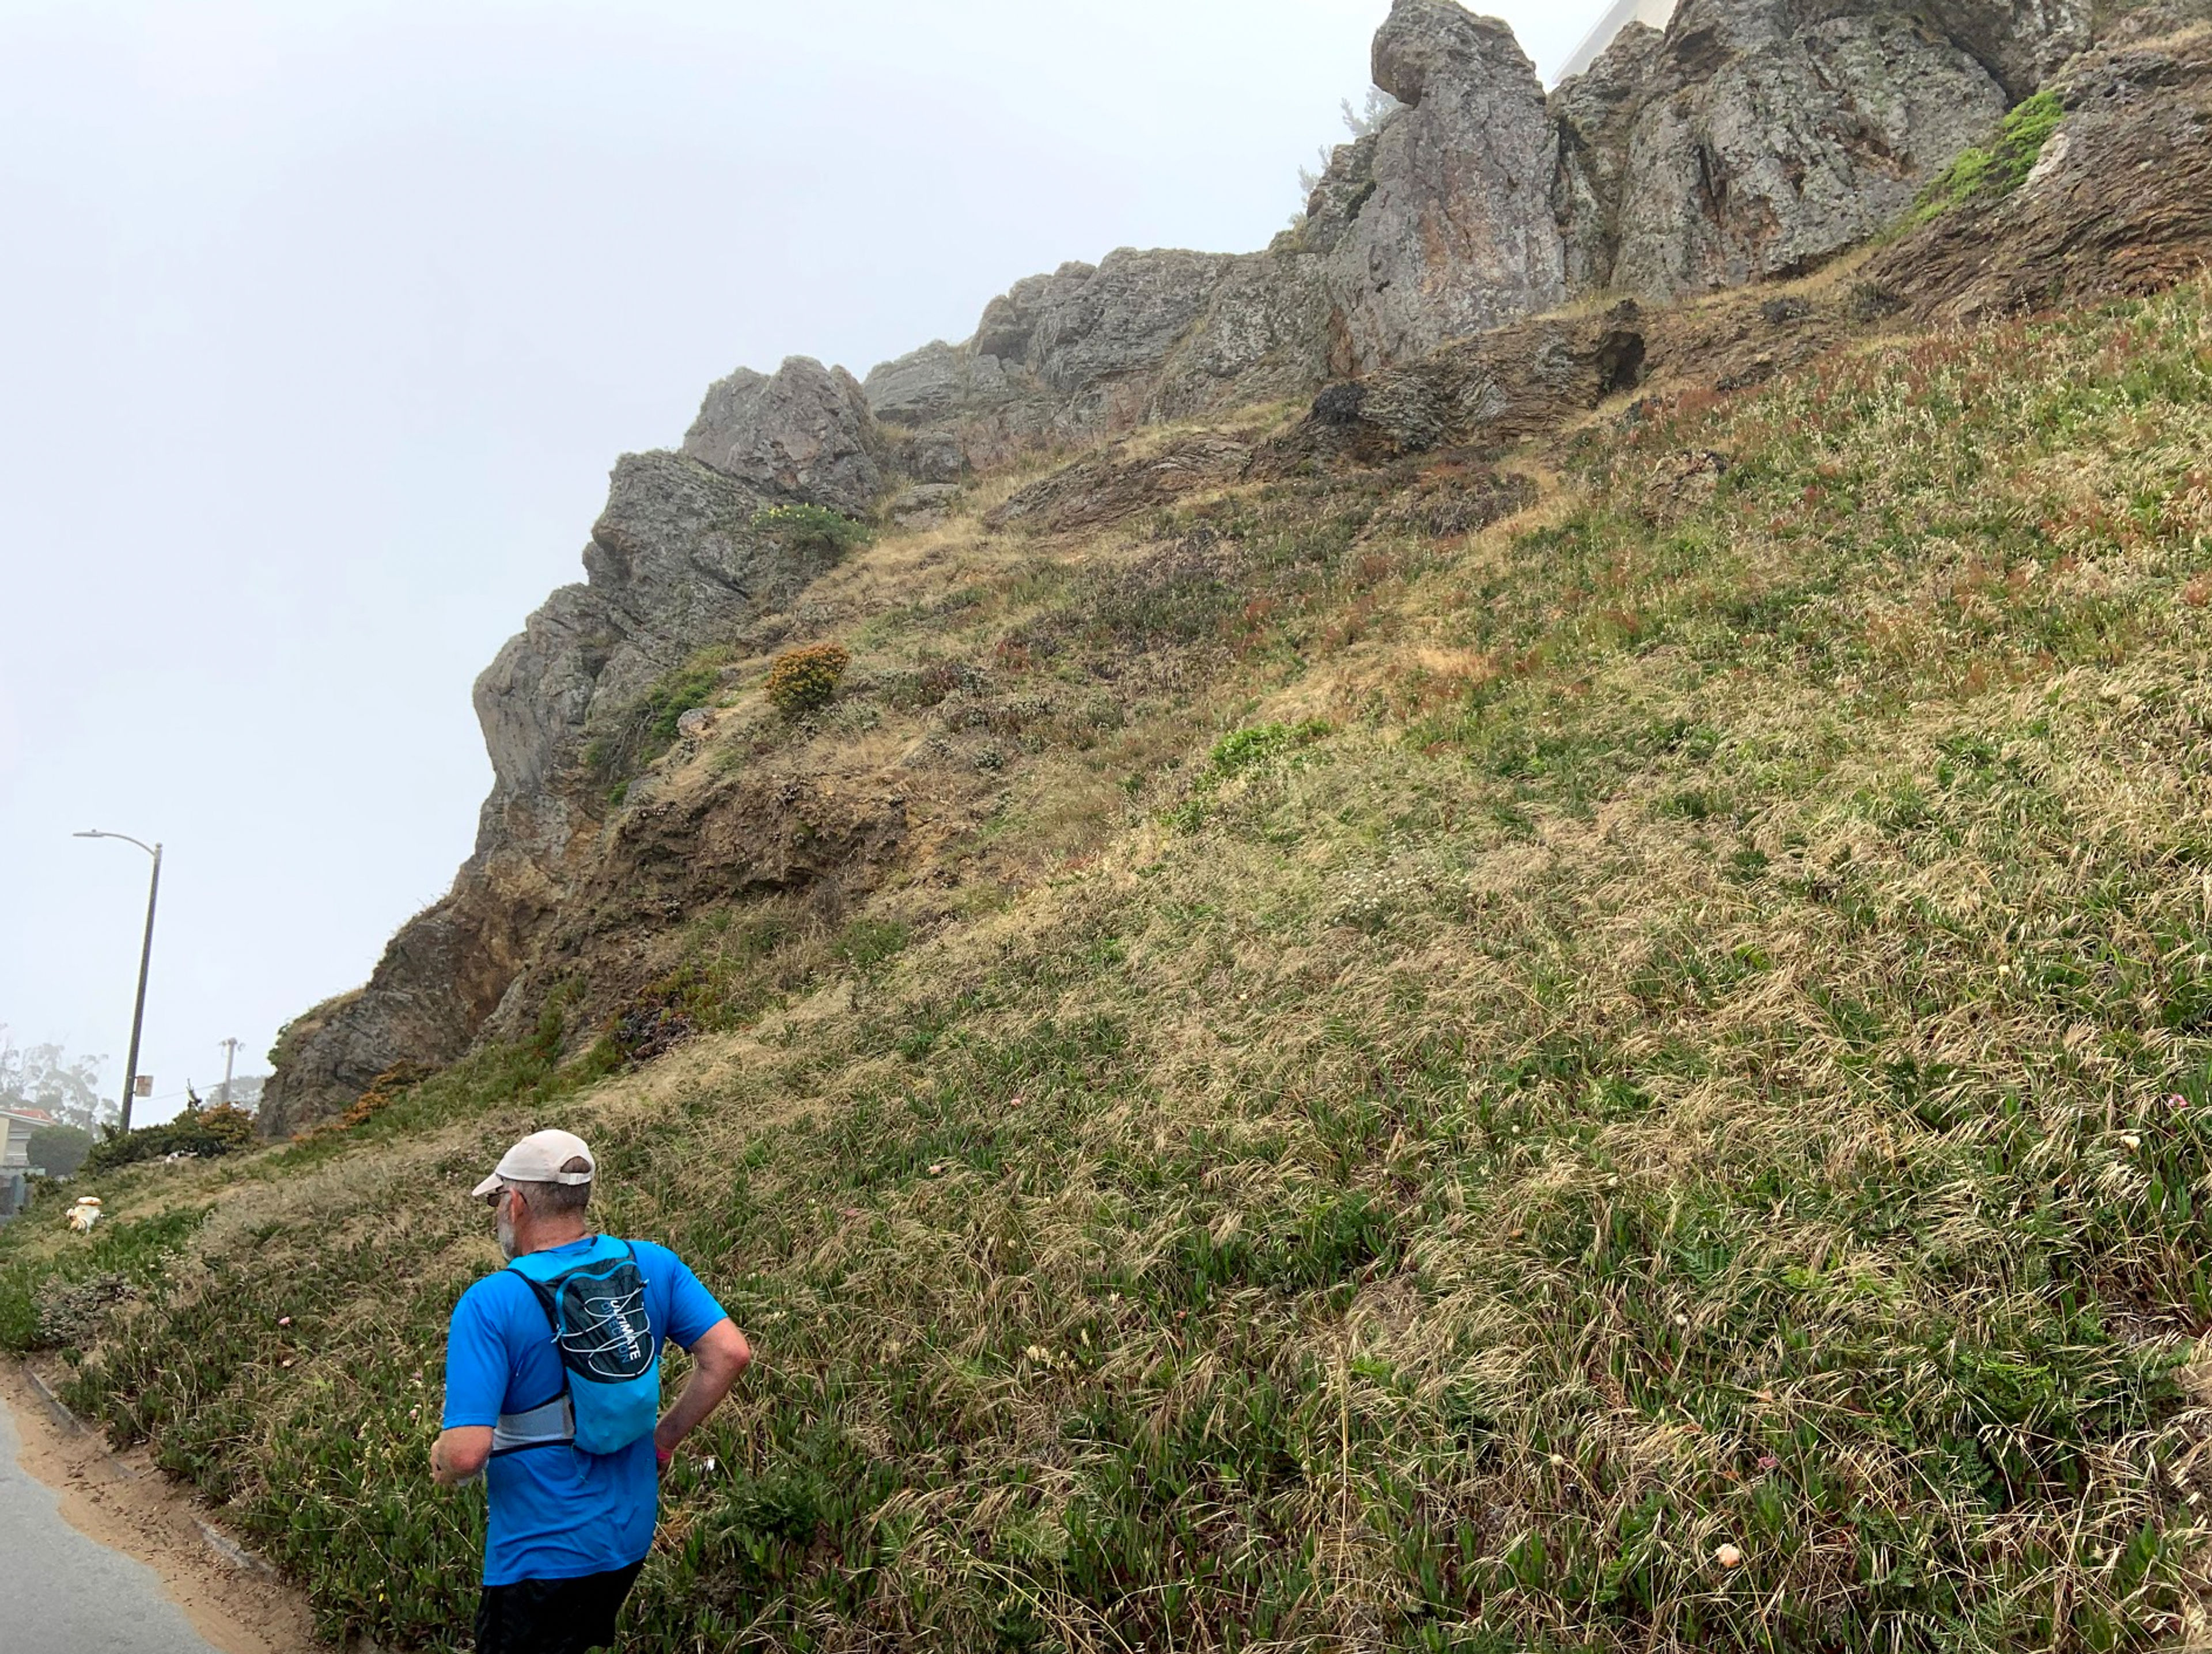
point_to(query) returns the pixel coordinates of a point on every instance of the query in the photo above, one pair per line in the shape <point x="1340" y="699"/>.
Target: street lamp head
<point x="154" y="850"/>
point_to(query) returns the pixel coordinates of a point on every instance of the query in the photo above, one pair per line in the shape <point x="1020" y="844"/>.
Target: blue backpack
<point x="609" y="1355"/>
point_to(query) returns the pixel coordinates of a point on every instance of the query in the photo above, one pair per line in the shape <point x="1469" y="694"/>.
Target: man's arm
<point x="720" y="1353"/>
<point x="476" y="1383"/>
<point x="461" y="1454"/>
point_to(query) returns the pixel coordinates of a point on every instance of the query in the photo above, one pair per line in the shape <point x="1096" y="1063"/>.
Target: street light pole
<point x="145" y="961"/>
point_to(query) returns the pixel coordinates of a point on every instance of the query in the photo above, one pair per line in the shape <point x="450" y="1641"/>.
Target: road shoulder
<point x="122" y="1501"/>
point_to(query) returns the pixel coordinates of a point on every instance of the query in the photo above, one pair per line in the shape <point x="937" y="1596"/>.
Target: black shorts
<point x="552" y="1616"/>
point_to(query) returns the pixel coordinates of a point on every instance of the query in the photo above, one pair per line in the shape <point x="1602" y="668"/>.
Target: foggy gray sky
<point x="321" y="324"/>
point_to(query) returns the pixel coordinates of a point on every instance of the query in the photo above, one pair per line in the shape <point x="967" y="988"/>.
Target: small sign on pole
<point x="143" y="1086"/>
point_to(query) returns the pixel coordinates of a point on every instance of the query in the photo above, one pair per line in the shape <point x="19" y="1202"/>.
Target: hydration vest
<point x="609" y="1359"/>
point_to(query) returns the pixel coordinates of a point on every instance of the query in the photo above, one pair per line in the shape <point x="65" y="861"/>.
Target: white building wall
<point x="15" y="1142"/>
<point x="15" y="1157"/>
<point x="1656" y="13"/>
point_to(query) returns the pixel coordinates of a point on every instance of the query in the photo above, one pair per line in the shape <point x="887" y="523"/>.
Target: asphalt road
<point x="62" y="1593"/>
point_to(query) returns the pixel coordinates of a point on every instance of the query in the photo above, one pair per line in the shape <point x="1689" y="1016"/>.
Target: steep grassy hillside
<point x="1485" y="1074"/>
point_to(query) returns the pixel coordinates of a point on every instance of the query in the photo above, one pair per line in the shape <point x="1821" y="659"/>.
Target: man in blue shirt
<point x="569" y="1529"/>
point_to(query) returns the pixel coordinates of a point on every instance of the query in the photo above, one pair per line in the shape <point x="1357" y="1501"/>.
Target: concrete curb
<point x="217" y="1541"/>
<point x="62" y="1416"/>
<point x="230" y="1550"/>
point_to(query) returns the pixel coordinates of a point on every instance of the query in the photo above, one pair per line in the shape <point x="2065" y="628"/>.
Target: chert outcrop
<point x="1748" y="139"/>
<point x="674" y="562"/>
<point x="2020" y="44"/>
<point x="804" y="432"/>
<point x="1595" y="114"/>
<point x="1438" y="224"/>
<point x="1766" y="137"/>
<point x="1751" y="139"/>
<point x="1458" y="233"/>
<point x="2117" y="204"/>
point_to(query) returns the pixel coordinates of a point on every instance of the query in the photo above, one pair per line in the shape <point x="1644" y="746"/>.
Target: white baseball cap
<point x="538" y="1158"/>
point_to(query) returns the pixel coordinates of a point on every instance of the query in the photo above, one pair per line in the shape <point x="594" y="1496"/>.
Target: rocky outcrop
<point x="1115" y="484"/>
<point x="674" y="563"/>
<point x="1266" y="333"/>
<point x="2020" y="44"/>
<point x="1458" y="232"/>
<point x="937" y="384"/>
<point x="1756" y="138"/>
<point x="2115" y="203"/>
<point x="1438" y="225"/>
<point x="1594" y="113"/>
<point x="741" y="838"/>
<point x="805" y="432"/>
<point x="1749" y="139"/>
<point x="1483" y="394"/>
<point x="1140" y="337"/>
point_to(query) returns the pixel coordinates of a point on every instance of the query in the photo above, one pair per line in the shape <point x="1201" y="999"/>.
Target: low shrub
<point x="215" y="1129"/>
<point x="1246" y="749"/>
<point x="803" y="679"/>
<point x="387" y="1088"/>
<point x="812" y="528"/>
<point x="633" y="738"/>
<point x="690" y="686"/>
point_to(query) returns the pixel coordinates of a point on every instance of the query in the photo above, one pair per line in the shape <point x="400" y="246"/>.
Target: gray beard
<point x="507" y="1236"/>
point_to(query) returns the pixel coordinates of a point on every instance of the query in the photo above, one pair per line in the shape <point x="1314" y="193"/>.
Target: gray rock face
<point x="2020" y="44"/>
<point x="1804" y="140"/>
<point x="1011" y="321"/>
<point x="1440" y="223"/>
<point x="1750" y="139"/>
<point x="1266" y="332"/>
<point x="1459" y="233"/>
<point x="1595" y="113"/>
<point x="938" y="382"/>
<point x="934" y="457"/>
<point x="1758" y="137"/>
<point x="805" y="433"/>
<point x="673" y="564"/>
<point x="1062" y="356"/>
<point x="1336" y="201"/>
<point x="1122" y="320"/>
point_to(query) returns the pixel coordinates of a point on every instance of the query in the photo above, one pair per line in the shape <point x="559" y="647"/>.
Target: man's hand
<point x="719" y="1355"/>
<point x="461" y="1454"/>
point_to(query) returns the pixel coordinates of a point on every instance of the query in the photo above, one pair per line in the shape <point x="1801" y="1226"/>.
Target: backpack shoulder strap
<point x="547" y="1293"/>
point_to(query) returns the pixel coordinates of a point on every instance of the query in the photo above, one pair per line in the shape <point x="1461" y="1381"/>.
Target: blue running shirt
<point x="557" y="1513"/>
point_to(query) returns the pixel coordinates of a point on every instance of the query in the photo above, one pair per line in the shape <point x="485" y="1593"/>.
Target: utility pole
<point x="229" y="1057"/>
<point x="145" y="961"/>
